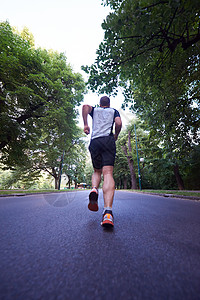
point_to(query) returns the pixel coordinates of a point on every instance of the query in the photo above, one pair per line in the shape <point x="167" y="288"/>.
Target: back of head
<point x="105" y="101"/>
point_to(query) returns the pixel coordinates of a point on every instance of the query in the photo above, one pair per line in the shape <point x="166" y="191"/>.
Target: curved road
<point x="53" y="247"/>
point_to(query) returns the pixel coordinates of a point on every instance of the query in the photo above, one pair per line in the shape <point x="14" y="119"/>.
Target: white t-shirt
<point x="102" y="121"/>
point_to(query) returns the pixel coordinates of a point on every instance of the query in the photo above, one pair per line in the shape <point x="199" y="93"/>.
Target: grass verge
<point x="173" y="192"/>
<point x="10" y="192"/>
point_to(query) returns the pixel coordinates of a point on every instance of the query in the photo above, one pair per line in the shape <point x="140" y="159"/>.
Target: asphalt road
<point x="53" y="247"/>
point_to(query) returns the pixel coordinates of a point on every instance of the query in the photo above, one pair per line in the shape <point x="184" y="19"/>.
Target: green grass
<point x="9" y="192"/>
<point x="182" y="193"/>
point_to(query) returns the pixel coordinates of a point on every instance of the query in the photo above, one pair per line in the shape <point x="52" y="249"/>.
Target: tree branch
<point x="166" y="32"/>
<point x="186" y="45"/>
<point x="129" y="37"/>
<point x="135" y="55"/>
<point x="29" y="114"/>
<point x="155" y="4"/>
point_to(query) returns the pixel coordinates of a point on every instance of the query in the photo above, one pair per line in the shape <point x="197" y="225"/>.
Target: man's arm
<point x="85" y="111"/>
<point x="118" y="126"/>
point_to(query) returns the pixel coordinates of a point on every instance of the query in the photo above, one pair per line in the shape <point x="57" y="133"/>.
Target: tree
<point x="19" y="178"/>
<point x="152" y="51"/>
<point x="139" y="32"/>
<point x="192" y="169"/>
<point x="38" y="97"/>
<point x="121" y="172"/>
<point x="127" y="149"/>
<point x="157" y="169"/>
<point x="126" y="158"/>
<point x="74" y="165"/>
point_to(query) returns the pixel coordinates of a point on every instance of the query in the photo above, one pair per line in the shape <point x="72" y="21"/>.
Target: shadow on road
<point x="61" y="199"/>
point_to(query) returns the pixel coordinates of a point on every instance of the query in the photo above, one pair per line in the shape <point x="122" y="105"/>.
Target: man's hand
<point x="86" y="129"/>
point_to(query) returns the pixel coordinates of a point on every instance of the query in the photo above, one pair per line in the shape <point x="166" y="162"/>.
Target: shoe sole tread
<point x="93" y="204"/>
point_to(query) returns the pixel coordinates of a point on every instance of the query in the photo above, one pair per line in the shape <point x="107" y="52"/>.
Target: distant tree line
<point x="157" y="167"/>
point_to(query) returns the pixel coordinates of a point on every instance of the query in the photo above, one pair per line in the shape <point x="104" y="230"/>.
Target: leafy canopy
<point x="138" y="33"/>
<point x="39" y="93"/>
<point x="151" y="49"/>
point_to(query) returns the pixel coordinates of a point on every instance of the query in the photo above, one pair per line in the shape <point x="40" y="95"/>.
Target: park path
<point x="53" y="247"/>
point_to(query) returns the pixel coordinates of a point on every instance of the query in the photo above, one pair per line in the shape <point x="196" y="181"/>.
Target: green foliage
<point x="151" y="49"/>
<point x="74" y="163"/>
<point x="139" y="32"/>
<point x="38" y="89"/>
<point x="157" y="170"/>
<point x="121" y="170"/>
<point x="88" y="173"/>
<point x="39" y="93"/>
<point x="192" y="169"/>
<point x="19" y="178"/>
<point x="125" y="173"/>
<point x="26" y="35"/>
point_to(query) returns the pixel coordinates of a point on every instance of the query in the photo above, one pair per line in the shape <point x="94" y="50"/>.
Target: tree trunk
<point x="56" y="183"/>
<point x="56" y="177"/>
<point x="179" y="179"/>
<point x="69" y="181"/>
<point x="125" y="183"/>
<point x="130" y="162"/>
<point x="76" y="184"/>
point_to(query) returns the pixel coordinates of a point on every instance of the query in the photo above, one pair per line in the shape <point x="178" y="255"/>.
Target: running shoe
<point x="108" y="219"/>
<point x="93" y="200"/>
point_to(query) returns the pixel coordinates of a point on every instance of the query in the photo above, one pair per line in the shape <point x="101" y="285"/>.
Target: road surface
<point x="53" y="247"/>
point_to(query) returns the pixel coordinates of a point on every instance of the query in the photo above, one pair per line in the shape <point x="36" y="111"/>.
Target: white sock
<point x="107" y="208"/>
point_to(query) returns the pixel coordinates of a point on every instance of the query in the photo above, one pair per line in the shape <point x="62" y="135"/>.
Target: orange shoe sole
<point x="107" y="224"/>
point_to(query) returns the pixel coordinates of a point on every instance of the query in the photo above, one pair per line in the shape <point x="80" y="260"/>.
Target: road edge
<point x="165" y="195"/>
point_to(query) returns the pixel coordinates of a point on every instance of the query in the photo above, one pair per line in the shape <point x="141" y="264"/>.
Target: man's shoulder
<point x="117" y="114"/>
<point x="92" y="111"/>
<point x="101" y="109"/>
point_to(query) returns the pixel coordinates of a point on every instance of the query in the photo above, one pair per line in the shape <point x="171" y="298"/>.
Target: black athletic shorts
<point x="103" y="151"/>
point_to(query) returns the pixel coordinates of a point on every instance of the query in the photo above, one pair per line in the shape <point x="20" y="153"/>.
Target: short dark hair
<point x="105" y="101"/>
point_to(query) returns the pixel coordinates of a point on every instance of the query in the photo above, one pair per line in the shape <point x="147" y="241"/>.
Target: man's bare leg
<point x="96" y="178"/>
<point x="108" y="186"/>
<point x="93" y="196"/>
<point x="108" y="195"/>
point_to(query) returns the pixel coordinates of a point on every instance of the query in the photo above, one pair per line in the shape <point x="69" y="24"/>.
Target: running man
<point x="103" y="150"/>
